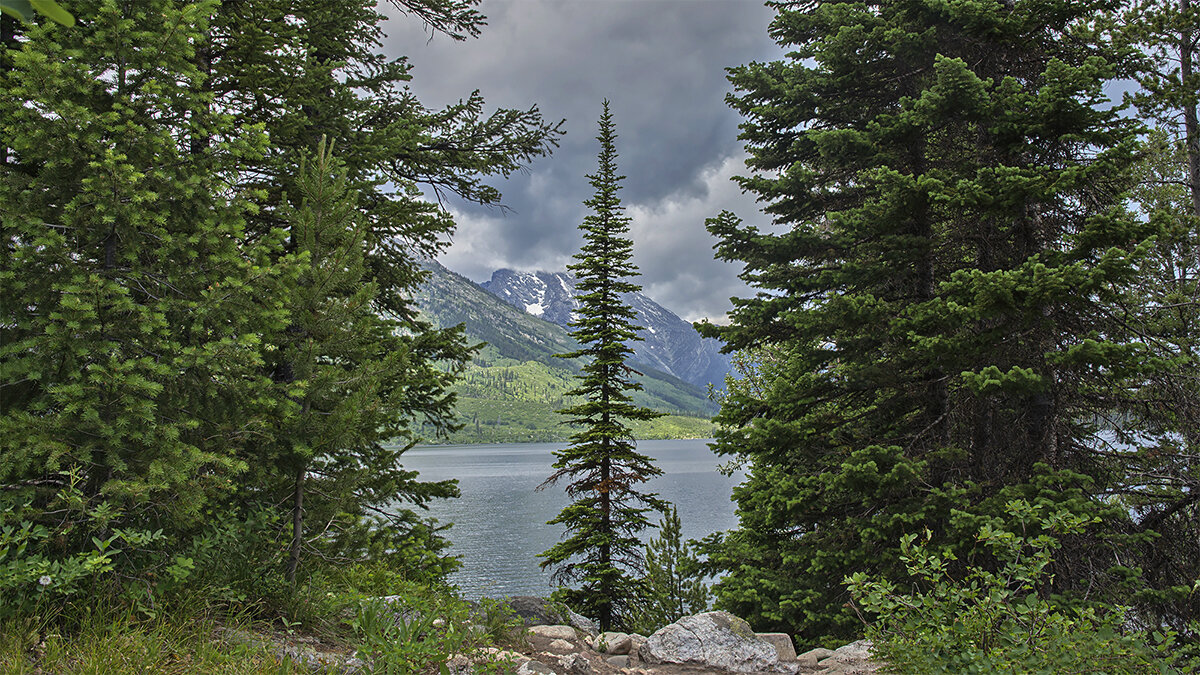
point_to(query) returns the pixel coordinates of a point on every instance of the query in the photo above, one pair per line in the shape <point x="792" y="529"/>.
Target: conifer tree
<point x="352" y="386"/>
<point x="323" y="75"/>
<point x="938" y="293"/>
<point x="134" y="305"/>
<point x="1163" y="311"/>
<point x="601" y="549"/>
<point x="673" y="585"/>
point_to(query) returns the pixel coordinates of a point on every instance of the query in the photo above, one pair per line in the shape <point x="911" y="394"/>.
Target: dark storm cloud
<point x="662" y="64"/>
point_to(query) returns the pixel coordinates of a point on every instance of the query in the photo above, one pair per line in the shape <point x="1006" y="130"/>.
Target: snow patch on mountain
<point x="668" y="343"/>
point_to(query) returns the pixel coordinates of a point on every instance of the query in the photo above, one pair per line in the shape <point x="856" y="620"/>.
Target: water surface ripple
<point x="500" y="520"/>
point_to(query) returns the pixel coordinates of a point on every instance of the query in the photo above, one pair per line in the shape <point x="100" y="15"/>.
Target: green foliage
<point x="351" y="380"/>
<point x="937" y="298"/>
<point x="994" y="619"/>
<point x="602" y="463"/>
<point x="315" y="70"/>
<point x="25" y="9"/>
<point x="673" y="586"/>
<point x="33" y="575"/>
<point x="417" y="631"/>
<point x="206" y="326"/>
<point x="135" y="306"/>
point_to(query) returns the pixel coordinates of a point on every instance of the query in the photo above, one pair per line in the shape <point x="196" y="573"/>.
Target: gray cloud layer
<point x="661" y="64"/>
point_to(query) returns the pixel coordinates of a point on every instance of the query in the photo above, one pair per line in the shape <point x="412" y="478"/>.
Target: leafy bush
<point x="418" y="630"/>
<point x="996" y="621"/>
<point x="45" y="560"/>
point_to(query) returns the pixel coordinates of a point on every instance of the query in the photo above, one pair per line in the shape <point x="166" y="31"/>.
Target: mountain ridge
<point x="510" y="390"/>
<point x="668" y="343"/>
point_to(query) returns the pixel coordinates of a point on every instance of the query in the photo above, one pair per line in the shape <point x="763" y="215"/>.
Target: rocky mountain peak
<point x="668" y="343"/>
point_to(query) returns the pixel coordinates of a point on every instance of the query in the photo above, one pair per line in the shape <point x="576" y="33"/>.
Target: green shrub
<point x="46" y="560"/>
<point x="996" y="621"/>
<point x="417" y="631"/>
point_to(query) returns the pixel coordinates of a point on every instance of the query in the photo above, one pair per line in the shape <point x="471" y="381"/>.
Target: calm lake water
<point x="500" y="520"/>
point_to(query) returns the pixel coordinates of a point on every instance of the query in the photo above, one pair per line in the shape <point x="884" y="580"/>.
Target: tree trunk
<point x="297" y="525"/>
<point x="1191" y="128"/>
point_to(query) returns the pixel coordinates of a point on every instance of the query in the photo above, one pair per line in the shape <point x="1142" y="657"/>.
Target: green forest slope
<point x="512" y="388"/>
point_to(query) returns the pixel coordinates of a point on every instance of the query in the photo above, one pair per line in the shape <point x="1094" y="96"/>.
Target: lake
<point x="500" y="520"/>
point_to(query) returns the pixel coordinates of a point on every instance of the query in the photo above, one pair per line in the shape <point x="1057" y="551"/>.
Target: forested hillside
<point x="665" y="342"/>
<point x="512" y="386"/>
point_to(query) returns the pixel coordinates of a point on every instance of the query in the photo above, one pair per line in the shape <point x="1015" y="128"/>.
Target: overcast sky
<point x="661" y="63"/>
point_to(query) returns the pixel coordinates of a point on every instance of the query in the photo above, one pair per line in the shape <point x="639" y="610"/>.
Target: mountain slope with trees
<point x="509" y="390"/>
<point x="666" y="342"/>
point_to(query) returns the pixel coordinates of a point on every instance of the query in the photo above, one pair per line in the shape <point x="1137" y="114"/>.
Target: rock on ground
<point x="851" y="659"/>
<point x="713" y="639"/>
<point x="535" y="611"/>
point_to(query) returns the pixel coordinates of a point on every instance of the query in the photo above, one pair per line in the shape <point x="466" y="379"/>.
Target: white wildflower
<point x="45" y="580"/>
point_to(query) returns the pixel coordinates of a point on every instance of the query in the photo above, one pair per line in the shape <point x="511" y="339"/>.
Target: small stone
<point x="534" y="668"/>
<point x="782" y="643"/>
<point x="619" y="661"/>
<point x="554" y="632"/>
<point x="814" y="656"/>
<point x="613" y="643"/>
<point x="558" y="646"/>
<point x="576" y="663"/>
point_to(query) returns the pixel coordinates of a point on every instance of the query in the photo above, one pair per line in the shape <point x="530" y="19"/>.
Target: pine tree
<point x="673" y="586"/>
<point x="309" y="70"/>
<point x="948" y="245"/>
<point x="601" y="548"/>
<point x="1163" y="309"/>
<point x="350" y="368"/>
<point x="134" y="308"/>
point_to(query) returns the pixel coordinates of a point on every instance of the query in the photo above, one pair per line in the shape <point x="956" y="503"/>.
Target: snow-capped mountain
<point x="669" y="343"/>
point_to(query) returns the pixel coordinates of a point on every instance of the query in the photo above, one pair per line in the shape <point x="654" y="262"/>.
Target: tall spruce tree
<point x="134" y="307"/>
<point x="601" y="548"/>
<point x="352" y="379"/>
<point x="938" y="293"/>
<point x="314" y="69"/>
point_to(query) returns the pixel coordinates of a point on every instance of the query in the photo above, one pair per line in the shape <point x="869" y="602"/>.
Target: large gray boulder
<point x="534" y="611"/>
<point x="713" y="639"/>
